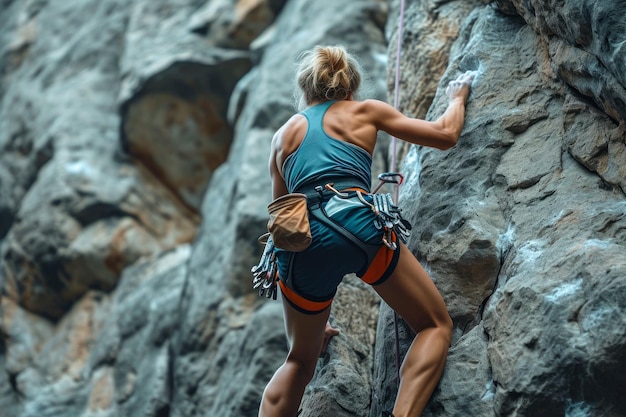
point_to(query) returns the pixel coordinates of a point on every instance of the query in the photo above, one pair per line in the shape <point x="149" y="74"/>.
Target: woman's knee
<point x="446" y="327"/>
<point x="304" y="369"/>
<point x="441" y="324"/>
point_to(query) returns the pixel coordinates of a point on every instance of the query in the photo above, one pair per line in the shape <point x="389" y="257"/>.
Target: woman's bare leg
<point x="412" y="294"/>
<point x="305" y="334"/>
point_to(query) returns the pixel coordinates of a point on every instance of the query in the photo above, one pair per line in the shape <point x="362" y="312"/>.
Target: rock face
<point x="133" y="146"/>
<point x="522" y="223"/>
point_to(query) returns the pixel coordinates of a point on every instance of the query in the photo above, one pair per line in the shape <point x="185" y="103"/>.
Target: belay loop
<point x="265" y="274"/>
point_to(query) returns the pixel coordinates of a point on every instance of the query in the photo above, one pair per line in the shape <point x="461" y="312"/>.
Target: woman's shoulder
<point x="293" y="121"/>
<point x="371" y="110"/>
<point x="371" y="106"/>
<point x="376" y="104"/>
<point x="291" y="133"/>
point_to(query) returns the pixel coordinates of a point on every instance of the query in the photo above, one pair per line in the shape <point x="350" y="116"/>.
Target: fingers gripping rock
<point x="464" y="81"/>
<point x="467" y="77"/>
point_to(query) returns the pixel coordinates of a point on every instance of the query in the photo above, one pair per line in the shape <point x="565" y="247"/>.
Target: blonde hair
<point x="327" y="73"/>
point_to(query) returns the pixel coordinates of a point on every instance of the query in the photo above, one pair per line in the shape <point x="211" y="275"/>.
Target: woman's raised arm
<point x="442" y="133"/>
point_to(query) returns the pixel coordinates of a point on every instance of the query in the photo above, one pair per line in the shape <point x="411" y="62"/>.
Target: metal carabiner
<point x="389" y="178"/>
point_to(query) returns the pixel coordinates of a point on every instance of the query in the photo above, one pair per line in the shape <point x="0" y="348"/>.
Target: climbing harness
<point x="388" y="218"/>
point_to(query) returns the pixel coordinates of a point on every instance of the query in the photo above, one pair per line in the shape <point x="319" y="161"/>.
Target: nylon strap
<point x="319" y="214"/>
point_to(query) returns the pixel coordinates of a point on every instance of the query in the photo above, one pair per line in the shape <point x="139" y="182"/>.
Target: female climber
<point x="331" y="142"/>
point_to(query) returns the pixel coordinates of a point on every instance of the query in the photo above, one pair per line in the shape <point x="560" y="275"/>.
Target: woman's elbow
<point x="447" y="141"/>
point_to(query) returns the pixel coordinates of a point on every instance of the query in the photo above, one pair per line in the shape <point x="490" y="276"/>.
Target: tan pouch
<point x="289" y="222"/>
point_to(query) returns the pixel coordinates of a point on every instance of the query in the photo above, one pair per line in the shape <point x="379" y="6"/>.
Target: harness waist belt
<point x="319" y="214"/>
<point x="313" y="195"/>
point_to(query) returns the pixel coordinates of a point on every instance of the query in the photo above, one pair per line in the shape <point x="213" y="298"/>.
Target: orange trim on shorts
<point x="301" y="303"/>
<point x="379" y="268"/>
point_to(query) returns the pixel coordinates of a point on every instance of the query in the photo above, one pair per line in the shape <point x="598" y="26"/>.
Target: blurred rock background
<point x="134" y="138"/>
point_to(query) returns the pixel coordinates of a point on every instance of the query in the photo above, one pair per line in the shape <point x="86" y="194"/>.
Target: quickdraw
<point x="389" y="218"/>
<point x="265" y="274"/>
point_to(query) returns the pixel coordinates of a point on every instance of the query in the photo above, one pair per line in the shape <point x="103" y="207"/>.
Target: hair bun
<point x="328" y="73"/>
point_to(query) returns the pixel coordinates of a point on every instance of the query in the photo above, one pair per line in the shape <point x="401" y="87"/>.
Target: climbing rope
<point x="396" y="94"/>
<point x="400" y="178"/>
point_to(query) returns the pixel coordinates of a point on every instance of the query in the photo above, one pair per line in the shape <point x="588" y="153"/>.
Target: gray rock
<point x="232" y="24"/>
<point x="513" y="224"/>
<point x="174" y="98"/>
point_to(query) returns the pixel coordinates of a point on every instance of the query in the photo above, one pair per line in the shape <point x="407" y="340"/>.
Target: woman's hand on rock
<point x="459" y="88"/>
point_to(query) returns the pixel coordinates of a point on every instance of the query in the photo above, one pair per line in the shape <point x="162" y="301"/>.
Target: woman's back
<point x="326" y="150"/>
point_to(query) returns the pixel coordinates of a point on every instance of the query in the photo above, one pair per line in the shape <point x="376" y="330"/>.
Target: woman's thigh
<point x="305" y="333"/>
<point x="413" y="295"/>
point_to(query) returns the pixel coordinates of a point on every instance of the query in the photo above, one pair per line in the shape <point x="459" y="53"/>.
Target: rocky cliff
<point x="133" y="144"/>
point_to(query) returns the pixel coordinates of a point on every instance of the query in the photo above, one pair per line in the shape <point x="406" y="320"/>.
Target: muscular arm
<point x="442" y="133"/>
<point x="278" y="183"/>
<point x="284" y="142"/>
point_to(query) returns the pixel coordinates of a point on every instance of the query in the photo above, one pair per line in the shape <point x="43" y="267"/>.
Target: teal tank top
<point x="320" y="158"/>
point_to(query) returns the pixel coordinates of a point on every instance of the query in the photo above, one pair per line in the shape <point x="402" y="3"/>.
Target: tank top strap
<point x="315" y="115"/>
